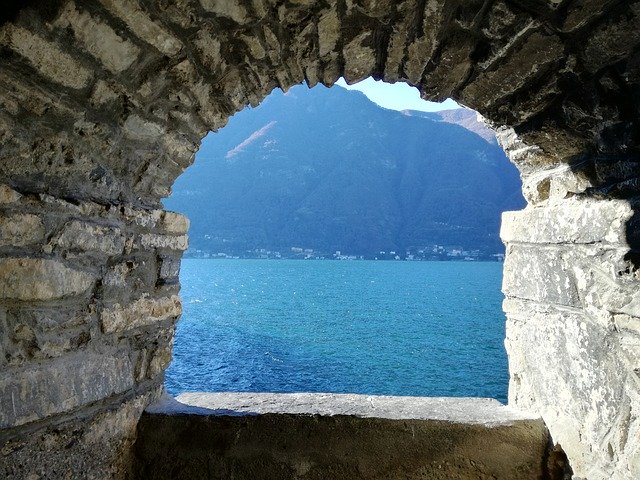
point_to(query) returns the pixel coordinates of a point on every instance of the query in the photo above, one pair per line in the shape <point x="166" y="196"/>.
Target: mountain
<point x="460" y="116"/>
<point x="327" y="169"/>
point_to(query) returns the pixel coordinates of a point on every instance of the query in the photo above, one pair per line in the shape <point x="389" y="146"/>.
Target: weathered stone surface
<point x="360" y="59"/>
<point x="612" y="41"/>
<point x="83" y="236"/>
<point x="397" y="43"/>
<point x="539" y="274"/>
<point x="8" y="195"/>
<point x="232" y="9"/>
<point x="339" y="437"/>
<point x="142" y="312"/>
<point x="554" y="185"/>
<point x="435" y="19"/>
<point x="175" y="223"/>
<point x="160" y="359"/>
<point x="137" y="128"/>
<point x="569" y="369"/>
<point x="449" y="74"/>
<point x="34" y="279"/>
<point x="35" y="392"/>
<point x="169" y="267"/>
<point x="328" y="32"/>
<point x="541" y="52"/>
<point x="95" y="445"/>
<point x="52" y="63"/>
<point x="480" y="411"/>
<point x="525" y="156"/>
<point x="572" y="221"/>
<point x="113" y="51"/>
<point x="21" y="229"/>
<point x="604" y="287"/>
<point x="591" y="277"/>
<point x="143" y="26"/>
<point x="42" y="334"/>
<point x="131" y="279"/>
<point x="155" y="355"/>
<point x="169" y="242"/>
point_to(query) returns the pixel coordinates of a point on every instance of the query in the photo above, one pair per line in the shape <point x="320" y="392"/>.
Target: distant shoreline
<point x="458" y="260"/>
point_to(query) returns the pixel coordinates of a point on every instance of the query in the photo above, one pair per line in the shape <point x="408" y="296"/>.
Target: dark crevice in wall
<point x="556" y="464"/>
<point x="11" y="9"/>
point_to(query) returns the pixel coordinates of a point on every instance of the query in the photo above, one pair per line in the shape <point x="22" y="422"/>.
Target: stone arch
<point x="104" y="104"/>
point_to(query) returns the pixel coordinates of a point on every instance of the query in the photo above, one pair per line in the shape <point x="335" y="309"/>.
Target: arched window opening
<point x="413" y="192"/>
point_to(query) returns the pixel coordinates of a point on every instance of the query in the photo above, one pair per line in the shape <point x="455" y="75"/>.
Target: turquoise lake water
<point x="390" y="328"/>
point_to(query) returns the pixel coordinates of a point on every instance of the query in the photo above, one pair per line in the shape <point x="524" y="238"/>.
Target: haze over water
<point x="390" y="328"/>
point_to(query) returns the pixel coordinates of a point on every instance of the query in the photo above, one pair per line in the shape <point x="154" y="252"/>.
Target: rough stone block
<point x="154" y="354"/>
<point x="571" y="221"/>
<point x="360" y="59"/>
<point x="8" y="195"/>
<point x="540" y="50"/>
<point x="143" y="218"/>
<point x="436" y="17"/>
<point x="88" y="237"/>
<point x="209" y="47"/>
<point x="54" y="64"/>
<point x="35" y="392"/>
<point x="581" y="12"/>
<point x="32" y="343"/>
<point x="21" y="229"/>
<point x="328" y="32"/>
<point x="232" y="9"/>
<point x="169" y="242"/>
<point x="525" y="156"/>
<point x="603" y="284"/>
<point x="570" y="369"/>
<point x="612" y="41"/>
<point x="138" y="128"/>
<point x="118" y="274"/>
<point x="175" y="223"/>
<point x="548" y="185"/>
<point x="40" y="279"/>
<point x="373" y="8"/>
<point x="539" y="274"/>
<point x="114" y="52"/>
<point x="589" y="277"/>
<point x="449" y="74"/>
<point x="142" y="312"/>
<point x="131" y="278"/>
<point x="160" y="360"/>
<point x="143" y="26"/>
<point x="396" y="49"/>
<point x="103" y="93"/>
<point x="53" y="319"/>
<point x="169" y="267"/>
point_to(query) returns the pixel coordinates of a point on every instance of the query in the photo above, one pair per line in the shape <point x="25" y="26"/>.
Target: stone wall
<point x="572" y="303"/>
<point x="103" y="104"/>
<point x="89" y="303"/>
<point x="571" y="282"/>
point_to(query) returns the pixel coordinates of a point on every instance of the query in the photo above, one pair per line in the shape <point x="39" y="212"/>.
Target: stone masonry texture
<point x="103" y="103"/>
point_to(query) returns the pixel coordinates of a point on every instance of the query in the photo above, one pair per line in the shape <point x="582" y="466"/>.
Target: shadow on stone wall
<point x="616" y="176"/>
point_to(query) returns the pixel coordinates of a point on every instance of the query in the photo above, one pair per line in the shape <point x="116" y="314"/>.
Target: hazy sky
<point x="398" y="96"/>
